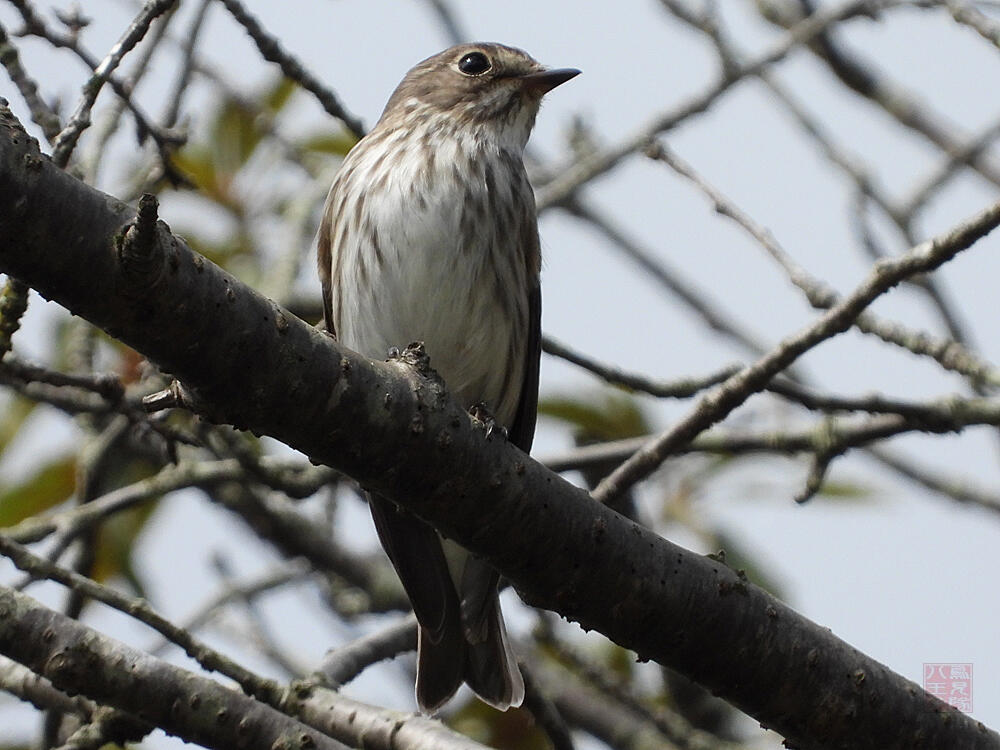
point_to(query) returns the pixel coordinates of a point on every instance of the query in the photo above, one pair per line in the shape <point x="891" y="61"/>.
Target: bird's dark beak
<point x="545" y="80"/>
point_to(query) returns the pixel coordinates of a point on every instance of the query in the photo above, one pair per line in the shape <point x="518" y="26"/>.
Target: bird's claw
<point x="481" y="414"/>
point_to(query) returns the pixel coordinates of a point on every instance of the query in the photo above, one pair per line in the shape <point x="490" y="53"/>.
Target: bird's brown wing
<point x="324" y="263"/>
<point x="479" y="580"/>
<point x="522" y="430"/>
<point x="415" y="551"/>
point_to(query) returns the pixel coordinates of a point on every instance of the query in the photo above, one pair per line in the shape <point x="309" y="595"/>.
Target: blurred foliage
<point x="598" y="417"/>
<point x="221" y="167"/>
<point x="240" y="129"/>
<point x="236" y="131"/>
<point x="13" y="417"/>
<point x="738" y="557"/>
<point x="49" y="485"/>
<point x="505" y="730"/>
<point x="842" y="490"/>
<point x="246" y="168"/>
<point x="116" y="541"/>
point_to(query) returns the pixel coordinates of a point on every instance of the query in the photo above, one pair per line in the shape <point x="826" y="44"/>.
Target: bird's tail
<point x="487" y="665"/>
<point x="440" y="666"/>
<point x="491" y="667"/>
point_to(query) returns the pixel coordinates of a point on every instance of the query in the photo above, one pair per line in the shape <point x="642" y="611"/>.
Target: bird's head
<point x="488" y="87"/>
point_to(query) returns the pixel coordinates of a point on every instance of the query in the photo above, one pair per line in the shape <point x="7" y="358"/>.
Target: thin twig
<point x="449" y="21"/>
<point x="680" y="388"/>
<point x="951" y="355"/>
<point x="288" y="572"/>
<point x="344" y="663"/>
<point x="565" y="184"/>
<point x="667" y="277"/>
<point x="41" y="113"/>
<point x="271" y="50"/>
<point x="187" y="64"/>
<point x="266" y="690"/>
<point x="92" y="162"/>
<point x="721" y="400"/>
<point x="67" y="139"/>
<point x="863" y="78"/>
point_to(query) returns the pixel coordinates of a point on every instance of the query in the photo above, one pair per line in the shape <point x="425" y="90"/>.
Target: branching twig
<point x="722" y="399"/>
<point x="80" y="120"/>
<point x="669" y="278"/>
<point x="681" y="388"/>
<point x="860" y="76"/>
<point x="264" y="689"/>
<point x="187" y="65"/>
<point x="343" y="664"/>
<point x="41" y="113"/>
<point x="287" y="573"/>
<point x="565" y="184"/>
<point x="272" y="51"/>
<point x="951" y="355"/>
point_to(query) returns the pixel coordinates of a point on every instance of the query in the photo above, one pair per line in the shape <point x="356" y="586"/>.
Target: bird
<point x="429" y="233"/>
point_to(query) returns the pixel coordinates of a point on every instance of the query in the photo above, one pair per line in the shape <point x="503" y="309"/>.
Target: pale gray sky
<point x="904" y="578"/>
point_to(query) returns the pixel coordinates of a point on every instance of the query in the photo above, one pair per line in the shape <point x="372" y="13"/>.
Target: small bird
<point x="429" y="233"/>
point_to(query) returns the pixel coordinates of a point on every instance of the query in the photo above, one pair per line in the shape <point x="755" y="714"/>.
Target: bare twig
<point x="863" y="78"/>
<point x="951" y="355"/>
<point x="449" y="21"/>
<point x="950" y="166"/>
<point x="343" y="664"/>
<point x="968" y="15"/>
<point x="261" y="688"/>
<point x="41" y="113"/>
<point x="67" y="139"/>
<point x="565" y="184"/>
<point x="669" y="278"/>
<point x="112" y="119"/>
<point x="681" y="388"/>
<point x="722" y="399"/>
<point x="20" y="681"/>
<point x="272" y="51"/>
<point x="187" y="64"/>
<point x="287" y="573"/>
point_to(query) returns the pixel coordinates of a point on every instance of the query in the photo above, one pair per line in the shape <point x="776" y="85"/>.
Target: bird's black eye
<point x="474" y="64"/>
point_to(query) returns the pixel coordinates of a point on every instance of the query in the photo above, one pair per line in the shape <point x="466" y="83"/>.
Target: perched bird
<point x="430" y="234"/>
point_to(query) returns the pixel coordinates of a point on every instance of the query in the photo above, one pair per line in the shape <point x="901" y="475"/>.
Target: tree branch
<point x="720" y="401"/>
<point x="79" y="660"/>
<point x="392" y="427"/>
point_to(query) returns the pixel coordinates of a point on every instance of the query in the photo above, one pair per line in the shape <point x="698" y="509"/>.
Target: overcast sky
<point x="904" y="576"/>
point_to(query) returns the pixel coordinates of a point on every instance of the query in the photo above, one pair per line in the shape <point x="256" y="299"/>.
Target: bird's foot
<point x="483" y="415"/>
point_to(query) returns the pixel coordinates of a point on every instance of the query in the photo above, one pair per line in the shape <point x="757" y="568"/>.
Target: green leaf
<point x="848" y="491"/>
<point x="49" y="486"/>
<point x="234" y="136"/>
<point x="198" y="165"/>
<point x="15" y="414"/>
<point x="115" y="542"/>
<point x="611" y="415"/>
<point x="515" y="729"/>
<point x="338" y="143"/>
<point x="275" y="98"/>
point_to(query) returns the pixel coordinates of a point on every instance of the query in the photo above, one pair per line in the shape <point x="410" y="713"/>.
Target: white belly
<point x="437" y="283"/>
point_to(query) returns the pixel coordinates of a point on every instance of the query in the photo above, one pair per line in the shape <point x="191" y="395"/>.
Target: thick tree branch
<point x="393" y="428"/>
<point x="79" y="660"/>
